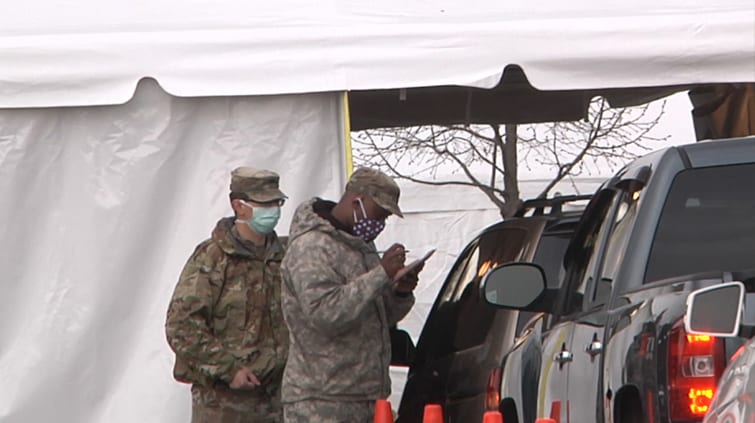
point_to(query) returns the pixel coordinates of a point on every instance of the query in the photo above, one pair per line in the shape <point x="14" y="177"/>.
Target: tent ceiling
<point x="86" y="52"/>
<point x="513" y="100"/>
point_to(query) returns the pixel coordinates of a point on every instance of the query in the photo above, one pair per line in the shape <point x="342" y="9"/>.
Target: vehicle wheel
<point x="508" y="409"/>
<point x="629" y="407"/>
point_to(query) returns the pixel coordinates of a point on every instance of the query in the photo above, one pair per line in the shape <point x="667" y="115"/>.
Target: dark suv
<point x="613" y="347"/>
<point x="464" y="339"/>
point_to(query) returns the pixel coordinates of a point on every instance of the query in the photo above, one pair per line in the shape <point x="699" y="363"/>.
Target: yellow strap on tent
<point x="347" y="136"/>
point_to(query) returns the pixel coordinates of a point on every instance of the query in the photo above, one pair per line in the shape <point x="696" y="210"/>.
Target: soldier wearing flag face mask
<point x="224" y="321"/>
<point x="339" y="301"/>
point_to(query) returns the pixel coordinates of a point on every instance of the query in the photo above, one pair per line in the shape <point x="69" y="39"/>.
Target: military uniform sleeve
<point x="396" y="307"/>
<point x="187" y="328"/>
<point x="332" y="303"/>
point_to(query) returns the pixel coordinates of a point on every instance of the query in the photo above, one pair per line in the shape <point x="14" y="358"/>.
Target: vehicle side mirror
<point x="515" y="285"/>
<point x="402" y="348"/>
<point x="715" y="310"/>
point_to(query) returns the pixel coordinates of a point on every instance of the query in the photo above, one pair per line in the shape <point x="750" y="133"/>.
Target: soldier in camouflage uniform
<point x="339" y="300"/>
<point x="224" y="321"/>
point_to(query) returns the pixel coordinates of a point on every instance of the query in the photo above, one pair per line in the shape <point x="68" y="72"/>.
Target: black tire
<point x="629" y="407"/>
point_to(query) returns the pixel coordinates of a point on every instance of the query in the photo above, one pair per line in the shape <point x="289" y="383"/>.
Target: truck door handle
<point x="564" y="357"/>
<point x="594" y="348"/>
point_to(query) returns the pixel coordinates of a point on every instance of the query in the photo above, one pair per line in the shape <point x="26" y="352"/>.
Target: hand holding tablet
<point x="413" y="265"/>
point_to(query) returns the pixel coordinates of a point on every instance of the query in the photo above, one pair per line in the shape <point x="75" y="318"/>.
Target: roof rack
<point x="538" y="206"/>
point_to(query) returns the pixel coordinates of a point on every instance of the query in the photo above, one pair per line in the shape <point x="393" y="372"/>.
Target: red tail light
<point x="695" y="363"/>
<point x="493" y="390"/>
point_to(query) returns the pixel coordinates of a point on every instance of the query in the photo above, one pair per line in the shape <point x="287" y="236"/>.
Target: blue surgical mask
<point x="367" y="229"/>
<point x="263" y="219"/>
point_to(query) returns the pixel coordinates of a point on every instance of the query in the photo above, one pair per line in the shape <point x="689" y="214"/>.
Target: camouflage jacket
<point x="225" y="312"/>
<point x="339" y="304"/>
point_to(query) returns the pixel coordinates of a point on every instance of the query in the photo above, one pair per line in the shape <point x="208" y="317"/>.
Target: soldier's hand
<point x="252" y="379"/>
<point x="393" y="259"/>
<point x="244" y="379"/>
<point x="407" y="283"/>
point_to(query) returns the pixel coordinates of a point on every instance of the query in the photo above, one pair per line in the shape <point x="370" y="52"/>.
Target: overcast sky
<point x="676" y="123"/>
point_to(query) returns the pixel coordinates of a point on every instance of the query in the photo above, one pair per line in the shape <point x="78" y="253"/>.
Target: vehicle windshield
<point x="707" y="223"/>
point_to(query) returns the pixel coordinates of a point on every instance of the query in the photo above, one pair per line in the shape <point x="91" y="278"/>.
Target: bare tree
<point x="607" y="138"/>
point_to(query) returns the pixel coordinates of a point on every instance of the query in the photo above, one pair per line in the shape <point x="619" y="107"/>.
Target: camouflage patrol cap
<point x="258" y="185"/>
<point x="378" y="186"/>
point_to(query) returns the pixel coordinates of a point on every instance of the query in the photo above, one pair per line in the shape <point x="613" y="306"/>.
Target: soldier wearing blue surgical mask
<point x="264" y="217"/>
<point x="225" y="322"/>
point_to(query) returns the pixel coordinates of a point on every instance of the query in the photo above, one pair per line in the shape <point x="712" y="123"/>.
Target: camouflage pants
<point x="221" y="404"/>
<point x="318" y="411"/>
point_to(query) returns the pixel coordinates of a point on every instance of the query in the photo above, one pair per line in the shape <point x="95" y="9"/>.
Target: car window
<point x="707" y="223"/>
<point x="463" y="276"/>
<point x="550" y="256"/>
<point x="623" y="222"/>
<point x="582" y="258"/>
<point x="462" y="318"/>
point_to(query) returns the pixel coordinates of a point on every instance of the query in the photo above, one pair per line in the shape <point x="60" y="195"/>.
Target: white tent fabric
<point x="86" y="52"/>
<point x="101" y="207"/>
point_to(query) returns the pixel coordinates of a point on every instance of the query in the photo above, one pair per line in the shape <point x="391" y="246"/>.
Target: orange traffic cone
<point x="545" y="420"/>
<point x="433" y="414"/>
<point x="383" y="412"/>
<point x="492" y="417"/>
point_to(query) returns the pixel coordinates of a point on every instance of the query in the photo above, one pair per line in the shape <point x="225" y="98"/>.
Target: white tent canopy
<point x="87" y="52"/>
